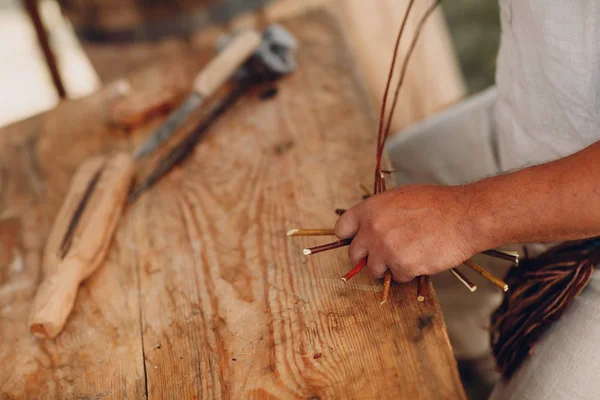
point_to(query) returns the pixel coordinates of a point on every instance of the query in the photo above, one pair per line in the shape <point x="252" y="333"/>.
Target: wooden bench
<point x="202" y="294"/>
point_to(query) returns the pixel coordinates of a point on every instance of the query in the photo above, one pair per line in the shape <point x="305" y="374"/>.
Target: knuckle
<point x="389" y="243"/>
<point x="356" y="253"/>
<point x="377" y="225"/>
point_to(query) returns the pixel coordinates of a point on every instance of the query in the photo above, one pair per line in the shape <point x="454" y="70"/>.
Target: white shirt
<point x="548" y="80"/>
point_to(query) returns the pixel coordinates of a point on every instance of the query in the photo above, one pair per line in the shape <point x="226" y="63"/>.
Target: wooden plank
<point x="202" y="294"/>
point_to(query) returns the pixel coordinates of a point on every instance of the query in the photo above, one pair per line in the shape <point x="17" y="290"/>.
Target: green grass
<point x="475" y="29"/>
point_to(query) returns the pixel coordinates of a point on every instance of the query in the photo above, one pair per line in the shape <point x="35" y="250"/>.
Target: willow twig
<point x="385" y="96"/>
<point x="355" y="270"/>
<point x="324" y="247"/>
<point x="512" y="257"/>
<point x="311" y="232"/>
<point x="386" y="287"/>
<point x="493" y="279"/>
<point x="405" y="67"/>
<point x="463" y="279"/>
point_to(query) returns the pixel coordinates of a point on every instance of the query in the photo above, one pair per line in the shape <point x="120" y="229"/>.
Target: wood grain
<point x="203" y="295"/>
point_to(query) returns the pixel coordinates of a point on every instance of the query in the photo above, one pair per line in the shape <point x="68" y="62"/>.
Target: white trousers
<point x="458" y="146"/>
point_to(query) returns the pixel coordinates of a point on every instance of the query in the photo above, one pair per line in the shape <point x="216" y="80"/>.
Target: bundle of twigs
<point x="541" y="291"/>
<point x="380" y="179"/>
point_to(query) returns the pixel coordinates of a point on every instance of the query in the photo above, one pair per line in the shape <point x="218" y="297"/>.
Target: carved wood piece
<point x="91" y="240"/>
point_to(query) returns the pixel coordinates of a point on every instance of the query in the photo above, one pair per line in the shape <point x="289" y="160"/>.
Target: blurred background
<point x="27" y="87"/>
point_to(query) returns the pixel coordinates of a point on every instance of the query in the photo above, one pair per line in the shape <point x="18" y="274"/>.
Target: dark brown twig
<point x="385" y="97"/>
<point x="405" y="67"/>
<point x="32" y="7"/>
<point x="513" y="258"/>
<point x="463" y="279"/>
<point x="324" y="247"/>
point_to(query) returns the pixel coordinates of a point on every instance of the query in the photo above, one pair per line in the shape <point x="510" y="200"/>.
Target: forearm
<point x="556" y="201"/>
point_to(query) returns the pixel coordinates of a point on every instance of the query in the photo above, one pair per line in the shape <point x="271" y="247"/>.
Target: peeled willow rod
<point x="493" y="279"/>
<point x="386" y="287"/>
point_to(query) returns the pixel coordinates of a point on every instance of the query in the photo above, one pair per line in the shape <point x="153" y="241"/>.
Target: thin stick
<point x="387" y="171"/>
<point x="382" y="184"/>
<point x="366" y="190"/>
<point x="405" y="66"/>
<point x="423" y="291"/>
<point x="463" y="279"/>
<point x="329" y="246"/>
<point x="496" y="281"/>
<point x="512" y="257"/>
<point x="386" y="287"/>
<point x="32" y="7"/>
<point x="385" y="95"/>
<point x="311" y="232"/>
<point x="359" y="267"/>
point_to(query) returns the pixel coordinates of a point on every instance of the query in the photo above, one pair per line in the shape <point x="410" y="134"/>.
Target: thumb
<point x="347" y="225"/>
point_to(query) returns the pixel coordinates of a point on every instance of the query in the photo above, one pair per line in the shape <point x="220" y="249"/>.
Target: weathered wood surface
<point x="202" y="294"/>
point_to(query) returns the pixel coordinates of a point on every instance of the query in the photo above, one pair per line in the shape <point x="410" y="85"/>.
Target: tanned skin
<point x="426" y="229"/>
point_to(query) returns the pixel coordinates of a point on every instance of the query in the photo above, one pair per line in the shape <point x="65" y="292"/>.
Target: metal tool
<point x="221" y="68"/>
<point x="272" y="60"/>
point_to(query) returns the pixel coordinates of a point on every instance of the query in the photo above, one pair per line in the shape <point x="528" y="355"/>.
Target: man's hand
<point x="412" y="230"/>
<point x="425" y="229"/>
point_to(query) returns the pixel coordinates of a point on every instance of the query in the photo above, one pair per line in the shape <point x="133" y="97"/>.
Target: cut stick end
<point x="344" y="279"/>
<point x="306" y="252"/>
<point x="420" y="298"/>
<point x="43" y="331"/>
<point x="382" y="302"/>
<point x="473" y="288"/>
<point x="38" y="330"/>
<point x="505" y="288"/>
<point x="516" y="259"/>
<point x="291" y="232"/>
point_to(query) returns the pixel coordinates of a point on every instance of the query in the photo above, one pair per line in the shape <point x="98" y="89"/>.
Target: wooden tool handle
<point x="227" y="62"/>
<point x="92" y="238"/>
<point x="54" y="301"/>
